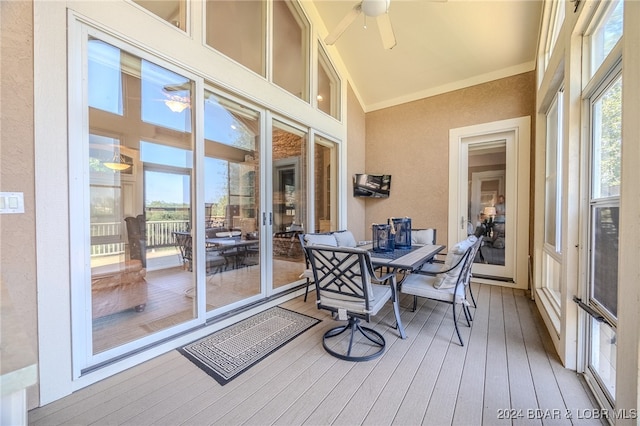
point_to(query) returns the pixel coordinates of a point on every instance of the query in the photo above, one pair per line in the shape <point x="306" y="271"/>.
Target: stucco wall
<point x="355" y="164"/>
<point x="17" y="231"/>
<point x="411" y="143"/>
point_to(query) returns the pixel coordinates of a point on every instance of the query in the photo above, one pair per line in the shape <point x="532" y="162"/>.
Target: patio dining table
<point x="232" y="248"/>
<point x="404" y="261"/>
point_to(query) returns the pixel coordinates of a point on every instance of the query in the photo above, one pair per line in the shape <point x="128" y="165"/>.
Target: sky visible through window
<point x="111" y="73"/>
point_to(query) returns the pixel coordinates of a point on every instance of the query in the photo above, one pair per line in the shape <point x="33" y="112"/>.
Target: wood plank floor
<point x="507" y="373"/>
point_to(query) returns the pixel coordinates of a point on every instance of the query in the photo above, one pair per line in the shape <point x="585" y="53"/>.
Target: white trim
<point x="628" y="359"/>
<point x="450" y="87"/>
<point x="521" y="130"/>
<point x="51" y="189"/>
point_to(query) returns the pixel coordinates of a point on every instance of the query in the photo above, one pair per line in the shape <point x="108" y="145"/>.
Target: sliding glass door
<point x="288" y="216"/>
<point x="140" y="189"/>
<point x="176" y="229"/>
<point x="231" y="203"/>
<point x="326" y="185"/>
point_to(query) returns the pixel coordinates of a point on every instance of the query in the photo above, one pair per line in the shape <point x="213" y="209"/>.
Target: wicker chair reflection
<point x="448" y="282"/>
<point x="346" y="285"/>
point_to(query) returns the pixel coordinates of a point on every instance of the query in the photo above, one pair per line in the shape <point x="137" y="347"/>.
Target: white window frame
<point x="595" y="82"/>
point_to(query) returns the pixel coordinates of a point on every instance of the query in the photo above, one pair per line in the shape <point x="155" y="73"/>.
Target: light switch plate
<point x="11" y="202"/>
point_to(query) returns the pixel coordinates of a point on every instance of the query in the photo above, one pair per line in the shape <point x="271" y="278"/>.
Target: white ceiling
<point x="441" y="46"/>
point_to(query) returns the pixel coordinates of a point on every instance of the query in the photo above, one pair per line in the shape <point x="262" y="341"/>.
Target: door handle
<point x="264" y="218"/>
<point x="270" y="218"/>
<point x="588" y="309"/>
<point x="461" y="222"/>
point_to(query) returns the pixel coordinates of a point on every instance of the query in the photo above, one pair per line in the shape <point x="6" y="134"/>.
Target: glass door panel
<point x="289" y="210"/>
<point x="488" y="175"/>
<point x="140" y="196"/>
<point x="232" y="202"/>
<point x="325" y="166"/>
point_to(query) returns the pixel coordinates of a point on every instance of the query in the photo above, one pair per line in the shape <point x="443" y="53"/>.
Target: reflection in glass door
<point x="325" y="201"/>
<point x="232" y="201"/>
<point x="140" y="185"/>
<point x="289" y="210"/>
<point x="487" y="213"/>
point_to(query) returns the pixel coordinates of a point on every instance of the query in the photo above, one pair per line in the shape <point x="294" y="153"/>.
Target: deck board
<point x="508" y="362"/>
<point x="470" y="398"/>
<point x="496" y="373"/>
<point x="523" y="395"/>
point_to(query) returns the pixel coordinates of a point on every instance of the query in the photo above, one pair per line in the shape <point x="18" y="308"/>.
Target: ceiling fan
<point x="373" y="9"/>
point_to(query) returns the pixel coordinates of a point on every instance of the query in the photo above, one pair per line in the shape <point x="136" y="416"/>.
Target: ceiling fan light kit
<point x="375" y="8"/>
<point x="371" y="8"/>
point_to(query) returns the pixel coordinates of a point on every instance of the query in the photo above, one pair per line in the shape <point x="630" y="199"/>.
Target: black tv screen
<point x="373" y="186"/>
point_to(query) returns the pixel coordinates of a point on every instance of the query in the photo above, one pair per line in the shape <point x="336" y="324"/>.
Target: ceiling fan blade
<point x="386" y="31"/>
<point x="344" y="24"/>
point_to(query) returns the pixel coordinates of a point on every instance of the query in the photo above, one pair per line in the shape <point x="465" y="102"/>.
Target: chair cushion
<point x="345" y="239"/>
<point x="307" y="273"/>
<point x="424" y="286"/>
<point x="320" y="240"/>
<point x="381" y="294"/>
<point x="225" y="234"/>
<point x="422" y="236"/>
<point x="449" y="279"/>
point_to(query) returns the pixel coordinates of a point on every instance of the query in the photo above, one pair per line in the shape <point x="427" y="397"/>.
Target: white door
<point x="489" y="196"/>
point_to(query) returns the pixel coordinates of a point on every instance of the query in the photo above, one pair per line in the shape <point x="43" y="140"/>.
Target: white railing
<point x="159" y="234"/>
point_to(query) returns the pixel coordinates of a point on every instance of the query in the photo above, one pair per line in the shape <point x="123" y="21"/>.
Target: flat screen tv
<point x="373" y="186"/>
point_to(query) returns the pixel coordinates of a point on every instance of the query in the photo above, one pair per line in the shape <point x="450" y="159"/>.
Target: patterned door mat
<point x="229" y="352"/>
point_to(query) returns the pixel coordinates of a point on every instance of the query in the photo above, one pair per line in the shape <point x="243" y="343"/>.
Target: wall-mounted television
<point x="373" y="186"/>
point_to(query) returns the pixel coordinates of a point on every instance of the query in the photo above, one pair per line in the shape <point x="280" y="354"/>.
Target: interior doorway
<point x="488" y="177"/>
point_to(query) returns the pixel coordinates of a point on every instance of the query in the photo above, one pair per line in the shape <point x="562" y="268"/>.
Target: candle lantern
<point x="383" y="239"/>
<point x="402" y="227"/>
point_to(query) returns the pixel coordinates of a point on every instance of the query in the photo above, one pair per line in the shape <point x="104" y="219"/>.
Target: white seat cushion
<point x="449" y="279"/>
<point x="424" y="286"/>
<point x="320" y="240"/>
<point x="345" y="239"/>
<point x="381" y="294"/>
<point x="225" y="234"/>
<point x="422" y="236"/>
<point x="307" y="273"/>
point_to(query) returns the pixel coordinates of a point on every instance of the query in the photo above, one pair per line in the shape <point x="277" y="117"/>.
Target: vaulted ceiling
<point x="441" y="46"/>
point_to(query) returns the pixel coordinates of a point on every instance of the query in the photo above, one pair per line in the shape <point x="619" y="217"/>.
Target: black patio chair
<point x="448" y="283"/>
<point x="347" y="286"/>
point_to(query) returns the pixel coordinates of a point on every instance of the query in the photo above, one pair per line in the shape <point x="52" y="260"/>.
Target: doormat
<point x="229" y="352"/>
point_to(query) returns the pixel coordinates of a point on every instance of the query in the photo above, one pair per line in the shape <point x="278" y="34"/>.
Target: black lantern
<point x="402" y="227"/>
<point x="383" y="239"/>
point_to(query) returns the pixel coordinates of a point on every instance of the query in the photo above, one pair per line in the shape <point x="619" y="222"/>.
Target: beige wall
<point x="355" y="164"/>
<point x="411" y="143"/>
<point x="17" y="231"/>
